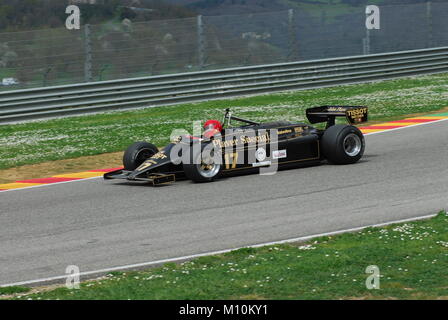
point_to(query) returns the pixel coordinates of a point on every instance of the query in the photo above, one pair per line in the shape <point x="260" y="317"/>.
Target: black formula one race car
<point x="223" y="149"/>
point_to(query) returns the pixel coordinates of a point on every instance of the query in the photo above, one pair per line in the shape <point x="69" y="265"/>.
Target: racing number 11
<point x="231" y="160"/>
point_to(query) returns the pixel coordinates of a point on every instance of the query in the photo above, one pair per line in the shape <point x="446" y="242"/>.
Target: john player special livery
<point x="224" y="149"/>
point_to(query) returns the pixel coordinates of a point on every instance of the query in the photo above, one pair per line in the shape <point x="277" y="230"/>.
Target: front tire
<point x="138" y="153"/>
<point x="343" y="144"/>
<point x="202" y="167"/>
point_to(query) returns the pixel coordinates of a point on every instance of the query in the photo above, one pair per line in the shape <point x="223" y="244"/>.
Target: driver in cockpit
<point x="211" y="128"/>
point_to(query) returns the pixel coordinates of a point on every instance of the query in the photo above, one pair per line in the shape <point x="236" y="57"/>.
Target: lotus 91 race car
<point x="223" y="149"/>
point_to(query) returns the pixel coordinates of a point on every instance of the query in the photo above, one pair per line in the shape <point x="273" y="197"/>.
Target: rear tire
<point x="138" y="153"/>
<point x="343" y="144"/>
<point x="198" y="171"/>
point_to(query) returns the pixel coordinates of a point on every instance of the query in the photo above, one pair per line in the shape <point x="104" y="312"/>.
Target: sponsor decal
<point x="242" y="140"/>
<point x="160" y="155"/>
<point x="357" y="113"/>
<point x="146" y="165"/>
<point x="261" y="164"/>
<point x="260" y="154"/>
<point x="336" y="109"/>
<point x="298" y="129"/>
<point x="285" y="131"/>
<point x="279" y="154"/>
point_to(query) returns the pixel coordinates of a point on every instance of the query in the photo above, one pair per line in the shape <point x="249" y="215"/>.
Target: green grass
<point x="411" y="257"/>
<point x="13" y="290"/>
<point x="109" y="132"/>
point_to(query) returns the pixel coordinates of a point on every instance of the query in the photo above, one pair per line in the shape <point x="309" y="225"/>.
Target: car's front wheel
<point x="202" y="166"/>
<point x="137" y="153"/>
<point x="343" y="144"/>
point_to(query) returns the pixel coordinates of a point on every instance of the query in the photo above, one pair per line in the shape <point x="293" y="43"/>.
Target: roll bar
<point x="228" y="118"/>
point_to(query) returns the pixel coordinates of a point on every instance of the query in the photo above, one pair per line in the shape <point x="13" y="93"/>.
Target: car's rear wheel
<point x="343" y="144"/>
<point x="137" y="153"/>
<point x="203" y="167"/>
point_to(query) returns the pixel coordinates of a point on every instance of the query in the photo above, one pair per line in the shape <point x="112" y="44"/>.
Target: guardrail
<point x="22" y="105"/>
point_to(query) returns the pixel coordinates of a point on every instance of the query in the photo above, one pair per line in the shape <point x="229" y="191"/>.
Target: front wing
<point x="153" y="178"/>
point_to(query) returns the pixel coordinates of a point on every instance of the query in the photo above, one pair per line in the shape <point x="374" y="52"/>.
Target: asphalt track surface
<point x="96" y="224"/>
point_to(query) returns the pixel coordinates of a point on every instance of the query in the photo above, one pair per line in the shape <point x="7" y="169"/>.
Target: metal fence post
<point x="87" y="54"/>
<point x="366" y="43"/>
<point x="201" y="43"/>
<point x="47" y="72"/>
<point x="293" y="46"/>
<point x="430" y="24"/>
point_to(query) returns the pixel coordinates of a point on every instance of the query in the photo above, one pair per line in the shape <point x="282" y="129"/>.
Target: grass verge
<point x="67" y="138"/>
<point x="52" y="168"/>
<point x="13" y="290"/>
<point x="411" y="257"/>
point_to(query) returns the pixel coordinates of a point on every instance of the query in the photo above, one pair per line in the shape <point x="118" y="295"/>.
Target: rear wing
<point x="328" y="114"/>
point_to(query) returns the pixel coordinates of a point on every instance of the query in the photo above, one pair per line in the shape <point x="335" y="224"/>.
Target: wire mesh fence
<point x="125" y="50"/>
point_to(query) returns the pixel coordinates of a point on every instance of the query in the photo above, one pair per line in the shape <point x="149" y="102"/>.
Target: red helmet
<point x="212" y="127"/>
